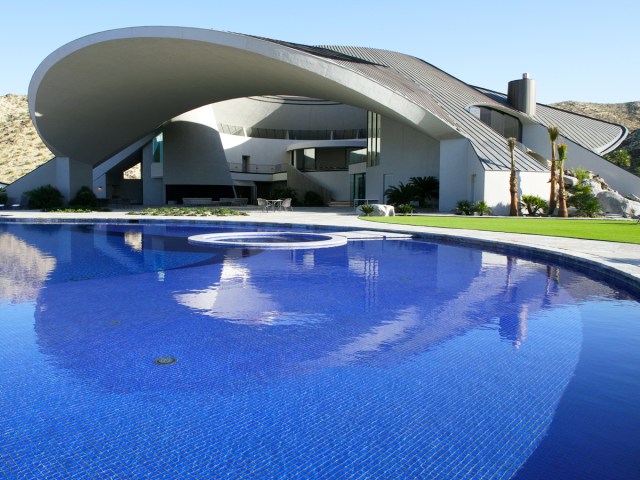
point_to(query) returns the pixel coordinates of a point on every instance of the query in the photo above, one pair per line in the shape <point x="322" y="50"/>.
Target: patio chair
<point x="286" y="203"/>
<point x="262" y="203"/>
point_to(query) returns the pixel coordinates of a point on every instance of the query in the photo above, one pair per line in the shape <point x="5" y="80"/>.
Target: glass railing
<point x="283" y="134"/>
<point x="240" y="168"/>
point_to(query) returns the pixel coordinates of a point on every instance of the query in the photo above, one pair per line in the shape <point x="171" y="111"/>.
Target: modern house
<point x="217" y="115"/>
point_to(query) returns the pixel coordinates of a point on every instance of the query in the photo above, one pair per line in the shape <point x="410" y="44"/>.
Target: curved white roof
<point x="100" y="93"/>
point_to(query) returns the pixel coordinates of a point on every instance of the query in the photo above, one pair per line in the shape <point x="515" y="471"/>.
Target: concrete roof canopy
<point x="96" y="95"/>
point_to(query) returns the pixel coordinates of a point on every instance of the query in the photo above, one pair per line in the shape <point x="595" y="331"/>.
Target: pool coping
<point x="616" y="263"/>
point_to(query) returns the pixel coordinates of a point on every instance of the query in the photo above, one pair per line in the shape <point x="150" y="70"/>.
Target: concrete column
<point x="70" y="175"/>
<point x="152" y="188"/>
<point x="455" y="175"/>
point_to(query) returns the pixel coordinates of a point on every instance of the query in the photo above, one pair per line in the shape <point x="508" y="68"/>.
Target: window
<point x="358" y="186"/>
<point x="503" y="123"/>
<point x="309" y="159"/>
<point x="158" y="149"/>
<point x="357" y="156"/>
<point x="373" y="139"/>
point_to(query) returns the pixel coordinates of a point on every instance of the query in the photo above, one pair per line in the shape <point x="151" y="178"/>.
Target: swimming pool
<point x="375" y="359"/>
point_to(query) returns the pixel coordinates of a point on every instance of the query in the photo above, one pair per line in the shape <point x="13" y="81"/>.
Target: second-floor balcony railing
<point x="257" y="168"/>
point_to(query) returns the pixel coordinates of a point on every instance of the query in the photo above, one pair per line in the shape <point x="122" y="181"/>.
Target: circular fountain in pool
<point x="270" y="240"/>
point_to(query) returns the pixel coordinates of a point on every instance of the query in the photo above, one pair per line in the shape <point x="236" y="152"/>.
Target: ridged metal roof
<point x="596" y="135"/>
<point x="449" y="99"/>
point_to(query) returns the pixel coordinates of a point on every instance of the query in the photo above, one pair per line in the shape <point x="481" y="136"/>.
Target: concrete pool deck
<point x="612" y="261"/>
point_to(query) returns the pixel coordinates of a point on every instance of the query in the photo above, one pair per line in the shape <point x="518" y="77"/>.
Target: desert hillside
<point x="21" y="149"/>
<point x="627" y="114"/>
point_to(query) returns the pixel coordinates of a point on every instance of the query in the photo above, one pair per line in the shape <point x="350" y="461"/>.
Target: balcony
<point x="263" y="169"/>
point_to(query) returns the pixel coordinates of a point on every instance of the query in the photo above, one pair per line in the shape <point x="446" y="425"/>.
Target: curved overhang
<point x="523" y="117"/>
<point x="98" y="94"/>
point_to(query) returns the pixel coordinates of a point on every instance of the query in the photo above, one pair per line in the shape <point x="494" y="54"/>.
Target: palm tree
<point x="562" y="196"/>
<point x="400" y="195"/>
<point x="426" y="188"/>
<point x="513" y="180"/>
<point x="553" y="131"/>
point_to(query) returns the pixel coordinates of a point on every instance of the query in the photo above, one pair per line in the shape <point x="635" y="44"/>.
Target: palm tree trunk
<point x="562" y="199"/>
<point x="552" y="193"/>
<point x="514" y="209"/>
<point x="562" y="194"/>
<point x="553" y="136"/>
<point x="513" y="189"/>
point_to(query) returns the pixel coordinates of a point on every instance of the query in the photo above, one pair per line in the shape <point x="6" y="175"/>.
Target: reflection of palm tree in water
<point x="23" y="269"/>
<point x="513" y="325"/>
<point x="551" y="288"/>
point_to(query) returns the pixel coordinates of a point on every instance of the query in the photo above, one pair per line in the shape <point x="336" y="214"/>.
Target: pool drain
<point x="165" y="360"/>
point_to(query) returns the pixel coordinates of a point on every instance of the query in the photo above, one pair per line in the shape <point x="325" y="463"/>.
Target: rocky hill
<point x="627" y="114"/>
<point x="21" y="149"/>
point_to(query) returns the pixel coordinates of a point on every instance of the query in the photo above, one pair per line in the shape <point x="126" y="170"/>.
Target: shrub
<point x="585" y="203"/>
<point x="622" y="158"/>
<point x="481" y="208"/>
<point x="4" y="197"/>
<point x="46" y="197"/>
<point x="366" y="209"/>
<point x="581" y="174"/>
<point x="285" y="192"/>
<point x="313" y="199"/>
<point x="464" y="207"/>
<point x="85" y="198"/>
<point x="534" y="204"/>
<point x="405" y="209"/>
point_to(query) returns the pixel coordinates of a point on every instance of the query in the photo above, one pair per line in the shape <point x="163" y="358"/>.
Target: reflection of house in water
<point x="283" y="313"/>
<point x="23" y="269"/>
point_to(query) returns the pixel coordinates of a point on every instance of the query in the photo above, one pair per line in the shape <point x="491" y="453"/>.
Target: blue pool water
<point x="377" y="359"/>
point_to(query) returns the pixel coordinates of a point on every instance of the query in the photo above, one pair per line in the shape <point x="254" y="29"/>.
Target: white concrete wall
<point x="461" y="174"/>
<point x="497" y="194"/>
<point x="537" y="139"/>
<point x="193" y="151"/>
<point x="262" y="151"/>
<point x="336" y="182"/>
<point x="404" y="153"/>
<point x="63" y="173"/>
<point x="43" y="175"/>
<point x="77" y="174"/>
<point x="534" y="183"/>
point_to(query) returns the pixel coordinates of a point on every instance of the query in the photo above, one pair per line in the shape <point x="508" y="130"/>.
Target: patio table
<point x="276" y="203"/>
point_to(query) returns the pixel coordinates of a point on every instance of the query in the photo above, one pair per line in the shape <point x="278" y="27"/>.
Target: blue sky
<point x="575" y="50"/>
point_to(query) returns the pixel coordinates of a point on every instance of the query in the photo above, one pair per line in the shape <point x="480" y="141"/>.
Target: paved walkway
<point x="619" y="262"/>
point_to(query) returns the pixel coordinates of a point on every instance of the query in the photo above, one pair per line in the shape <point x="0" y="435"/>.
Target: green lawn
<point x="627" y="231"/>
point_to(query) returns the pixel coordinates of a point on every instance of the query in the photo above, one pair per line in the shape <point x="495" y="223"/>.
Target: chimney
<point x="522" y="94"/>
